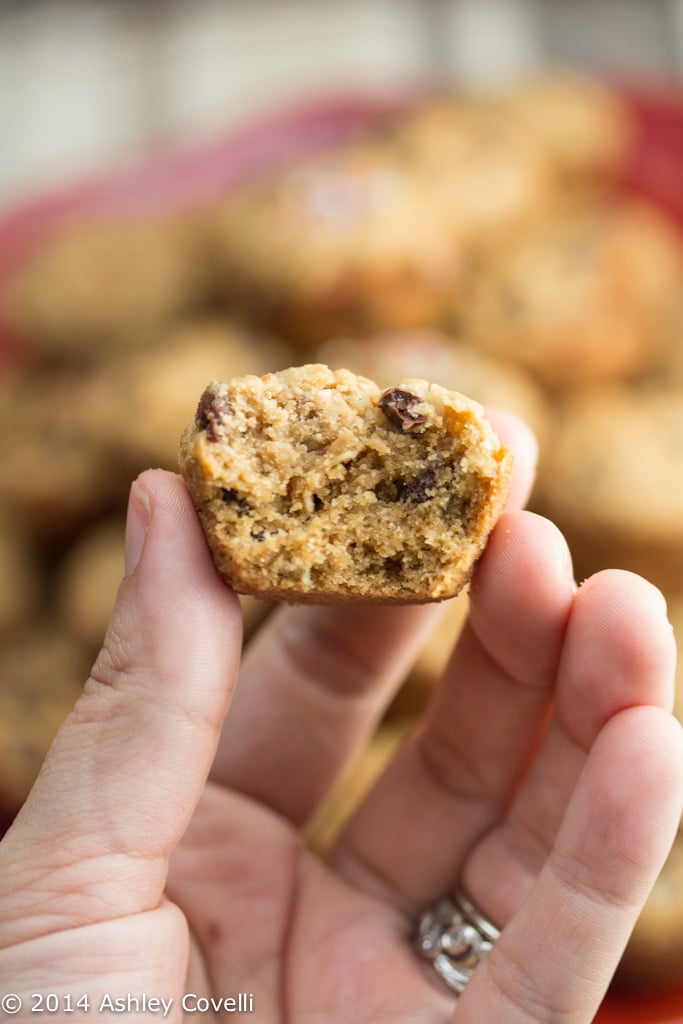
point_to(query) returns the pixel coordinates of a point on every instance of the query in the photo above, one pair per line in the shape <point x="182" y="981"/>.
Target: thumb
<point x="125" y="772"/>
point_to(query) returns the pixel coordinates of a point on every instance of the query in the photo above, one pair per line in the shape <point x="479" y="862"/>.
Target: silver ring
<point x="455" y="937"/>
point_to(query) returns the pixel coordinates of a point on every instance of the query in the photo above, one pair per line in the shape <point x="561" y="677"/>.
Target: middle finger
<point x="454" y="778"/>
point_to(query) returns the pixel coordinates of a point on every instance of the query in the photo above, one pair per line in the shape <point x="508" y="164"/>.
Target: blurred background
<point x="85" y="83"/>
<point x="483" y="193"/>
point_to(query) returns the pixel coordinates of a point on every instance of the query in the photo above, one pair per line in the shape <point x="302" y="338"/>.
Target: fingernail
<point x="137" y="523"/>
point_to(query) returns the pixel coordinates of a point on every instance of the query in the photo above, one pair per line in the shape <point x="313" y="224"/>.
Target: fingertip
<point x="525" y="545"/>
<point x="632" y="789"/>
<point x="522" y="593"/>
<point x="172" y="594"/>
<point x="621" y="643"/>
<point x="174" y="524"/>
<point x="138" y="518"/>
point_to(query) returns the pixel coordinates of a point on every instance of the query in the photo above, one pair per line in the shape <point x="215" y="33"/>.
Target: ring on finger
<point x="454" y="936"/>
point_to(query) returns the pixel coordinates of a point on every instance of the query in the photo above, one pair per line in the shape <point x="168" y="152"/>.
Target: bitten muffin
<point x="580" y="294"/>
<point x="349" y="242"/>
<point x="612" y="482"/>
<point x="315" y="485"/>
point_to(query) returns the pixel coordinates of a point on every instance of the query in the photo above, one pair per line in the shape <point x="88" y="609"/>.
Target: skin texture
<point x="547" y="773"/>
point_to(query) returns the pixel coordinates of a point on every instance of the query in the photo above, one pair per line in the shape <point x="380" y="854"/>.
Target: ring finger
<point x="606" y="667"/>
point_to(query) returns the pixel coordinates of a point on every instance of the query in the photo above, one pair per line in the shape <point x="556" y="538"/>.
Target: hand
<point x="547" y="775"/>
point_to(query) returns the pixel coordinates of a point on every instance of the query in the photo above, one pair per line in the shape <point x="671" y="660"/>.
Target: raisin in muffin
<point x="314" y="485"/>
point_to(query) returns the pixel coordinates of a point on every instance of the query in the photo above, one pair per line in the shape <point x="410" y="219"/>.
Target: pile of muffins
<point x="477" y="241"/>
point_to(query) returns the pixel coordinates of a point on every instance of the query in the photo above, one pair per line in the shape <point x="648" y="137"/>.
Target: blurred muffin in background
<point x="347" y="243"/>
<point x="470" y="156"/>
<point x="42" y="673"/>
<point x="87" y="580"/>
<point x="511" y="147"/>
<point x="613" y="482"/>
<point x="20" y="576"/>
<point x="583" y="294"/>
<point x="55" y="474"/>
<point x="150" y="396"/>
<point x="667" y="370"/>
<point x="107" y="282"/>
<point x="654" y="955"/>
<point x="583" y="125"/>
<point x="445" y="360"/>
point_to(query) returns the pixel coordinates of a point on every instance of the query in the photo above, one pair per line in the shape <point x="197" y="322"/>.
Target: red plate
<point x="654" y="169"/>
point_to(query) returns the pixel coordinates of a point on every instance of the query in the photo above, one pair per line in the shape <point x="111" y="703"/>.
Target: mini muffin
<point x="20" y="577"/>
<point x="612" y="482"/>
<point x="150" y="396"/>
<point x="317" y="486"/>
<point x="447" y="361"/>
<point x="350" y="242"/>
<point x="581" y="294"/>
<point x="583" y="124"/>
<point x="87" y="581"/>
<point x="106" y="282"/>
<point x="41" y="675"/>
<point x="54" y="474"/>
<point x="486" y="175"/>
<point x="667" y="370"/>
